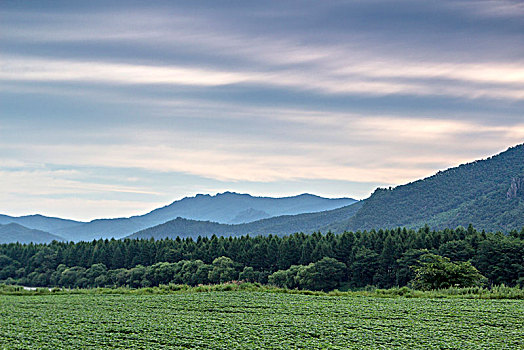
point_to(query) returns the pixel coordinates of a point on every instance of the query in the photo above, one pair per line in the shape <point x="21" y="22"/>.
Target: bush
<point x="437" y="272"/>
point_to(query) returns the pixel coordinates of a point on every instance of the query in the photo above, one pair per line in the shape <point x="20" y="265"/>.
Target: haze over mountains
<point x="222" y="208"/>
<point x="487" y="193"/>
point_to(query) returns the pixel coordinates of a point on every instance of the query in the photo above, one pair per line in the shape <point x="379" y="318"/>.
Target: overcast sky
<point x="114" y="110"/>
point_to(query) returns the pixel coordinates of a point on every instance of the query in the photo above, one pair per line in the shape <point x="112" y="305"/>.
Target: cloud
<point x="351" y="94"/>
<point x="179" y="46"/>
<point x="506" y="81"/>
<point x="71" y="193"/>
<point x="56" y="70"/>
<point x="41" y="182"/>
<point x="75" y="208"/>
<point x="373" y="155"/>
<point x="492" y="8"/>
<point x="84" y="205"/>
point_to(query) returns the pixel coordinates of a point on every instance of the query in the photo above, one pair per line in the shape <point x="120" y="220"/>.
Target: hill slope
<point x="279" y="225"/>
<point x="17" y="233"/>
<point x="487" y="193"/>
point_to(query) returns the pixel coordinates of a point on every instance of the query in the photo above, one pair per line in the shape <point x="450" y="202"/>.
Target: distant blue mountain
<point x="278" y="225"/>
<point x="223" y="208"/>
<point x="12" y="232"/>
<point x="39" y="222"/>
<point x="230" y="207"/>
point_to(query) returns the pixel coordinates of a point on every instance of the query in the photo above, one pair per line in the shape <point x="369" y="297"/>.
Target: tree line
<point x="382" y="258"/>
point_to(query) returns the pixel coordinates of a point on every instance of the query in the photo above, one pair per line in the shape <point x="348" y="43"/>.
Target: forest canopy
<point x="381" y="258"/>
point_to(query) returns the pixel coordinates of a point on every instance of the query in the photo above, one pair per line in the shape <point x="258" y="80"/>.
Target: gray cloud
<point x="255" y="97"/>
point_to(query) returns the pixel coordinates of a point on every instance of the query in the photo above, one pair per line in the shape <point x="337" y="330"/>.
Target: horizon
<point x="114" y="110"/>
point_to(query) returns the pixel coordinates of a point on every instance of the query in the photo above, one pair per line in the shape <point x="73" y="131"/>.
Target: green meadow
<point x="257" y="320"/>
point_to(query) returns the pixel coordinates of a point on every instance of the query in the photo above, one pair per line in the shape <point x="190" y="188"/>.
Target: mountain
<point x="489" y="194"/>
<point x="279" y="225"/>
<point x="39" y="222"/>
<point x="224" y="208"/>
<point x="230" y="207"/>
<point x="17" y="233"/>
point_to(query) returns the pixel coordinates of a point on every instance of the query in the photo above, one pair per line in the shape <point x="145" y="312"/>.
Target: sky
<point x="112" y="109"/>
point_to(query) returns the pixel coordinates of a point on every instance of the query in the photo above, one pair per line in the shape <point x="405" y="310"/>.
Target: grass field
<point x="256" y="320"/>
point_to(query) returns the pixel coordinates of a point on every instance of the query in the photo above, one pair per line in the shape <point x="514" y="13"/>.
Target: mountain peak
<point x="231" y="194"/>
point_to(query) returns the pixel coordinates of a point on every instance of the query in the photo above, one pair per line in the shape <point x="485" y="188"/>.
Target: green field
<point x="256" y="320"/>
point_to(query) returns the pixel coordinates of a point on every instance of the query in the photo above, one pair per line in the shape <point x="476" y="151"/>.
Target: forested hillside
<point x="487" y="193"/>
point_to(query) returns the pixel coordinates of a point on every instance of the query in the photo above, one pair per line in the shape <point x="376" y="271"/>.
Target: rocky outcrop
<point x="516" y="188"/>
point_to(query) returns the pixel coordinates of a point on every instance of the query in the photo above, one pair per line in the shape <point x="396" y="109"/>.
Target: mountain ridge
<point x="487" y="193"/>
<point x="222" y="207"/>
<point x="279" y="225"/>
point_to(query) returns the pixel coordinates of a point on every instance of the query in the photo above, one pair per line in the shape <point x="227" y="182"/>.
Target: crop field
<point x="256" y="320"/>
